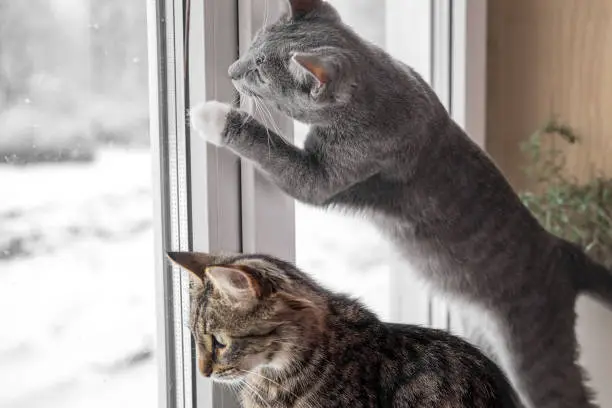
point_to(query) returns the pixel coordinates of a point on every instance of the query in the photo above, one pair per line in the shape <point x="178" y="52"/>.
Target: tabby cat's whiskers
<point x="252" y="389"/>
<point x="270" y="380"/>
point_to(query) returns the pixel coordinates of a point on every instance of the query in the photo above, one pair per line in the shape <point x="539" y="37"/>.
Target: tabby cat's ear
<point x="299" y="8"/>
<point x="236" y="284"/>
<point x="324" y="65"/>
<point x="195" y="262"/>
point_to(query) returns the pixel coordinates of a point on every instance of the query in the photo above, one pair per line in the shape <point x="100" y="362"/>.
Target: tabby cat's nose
<point x="204" y="367"/>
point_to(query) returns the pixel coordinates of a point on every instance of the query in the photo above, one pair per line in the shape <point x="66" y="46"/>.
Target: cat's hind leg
<point x="541" y="354"/>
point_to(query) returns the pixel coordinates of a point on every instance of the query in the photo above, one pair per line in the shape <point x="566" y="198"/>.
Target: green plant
<point x="578" y="212"/>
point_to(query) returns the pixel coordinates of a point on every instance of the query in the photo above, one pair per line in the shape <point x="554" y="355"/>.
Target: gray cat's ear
<point x="299" y="8"/>
<point x="236" y="284"/>
<point x="313" y="65"/>
<point x="324" y="65"/>
<point x="194" y="262"/>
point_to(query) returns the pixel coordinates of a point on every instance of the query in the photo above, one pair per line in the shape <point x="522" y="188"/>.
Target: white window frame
<point x="207" y="199"/>
<point x="468" y="73"/>
<point x="450" y="54"/>
<point x="200" y="213"/>
<point x="409" y="37"/>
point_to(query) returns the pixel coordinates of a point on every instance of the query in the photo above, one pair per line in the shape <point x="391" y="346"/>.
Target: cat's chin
<point x="228" y="378"/>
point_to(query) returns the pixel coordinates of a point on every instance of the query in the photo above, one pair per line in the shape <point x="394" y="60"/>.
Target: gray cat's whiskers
<point x="271" y="120"/>
<point x="251" y="107"/>
<point x="258" y="109"/>
<point x="265" y="111"/>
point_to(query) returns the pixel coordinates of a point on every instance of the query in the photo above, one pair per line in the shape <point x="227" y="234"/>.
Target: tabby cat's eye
<point x="217" y="343"/>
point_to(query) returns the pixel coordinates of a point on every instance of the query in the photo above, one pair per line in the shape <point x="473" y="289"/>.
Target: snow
<point x="77" y="302"/>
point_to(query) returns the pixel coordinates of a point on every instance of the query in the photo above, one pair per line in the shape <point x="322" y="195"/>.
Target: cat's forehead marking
<point x="253" y="263"/>
<point x="259" y="264"/>
<point x="249" y="262"/>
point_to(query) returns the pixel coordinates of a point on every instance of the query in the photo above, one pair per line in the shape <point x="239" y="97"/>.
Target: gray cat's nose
<point x="234" y="71"/>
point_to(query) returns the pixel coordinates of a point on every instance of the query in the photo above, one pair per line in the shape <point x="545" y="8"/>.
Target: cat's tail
<point x="596" y="280"/>
<point x="591" y="277"/>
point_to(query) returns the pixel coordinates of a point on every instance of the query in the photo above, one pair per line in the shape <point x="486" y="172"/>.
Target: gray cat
<point x="381" y="143"/>
<point x="264" y="326"/>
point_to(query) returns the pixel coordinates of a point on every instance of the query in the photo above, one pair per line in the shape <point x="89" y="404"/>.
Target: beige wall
<point x="550" y="57"/>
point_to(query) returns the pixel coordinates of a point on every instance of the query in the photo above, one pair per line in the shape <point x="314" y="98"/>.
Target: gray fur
<point x="286" y="342"/>
<point x="381" y="143"/>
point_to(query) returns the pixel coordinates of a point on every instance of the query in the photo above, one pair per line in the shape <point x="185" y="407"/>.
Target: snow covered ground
<point x="76" y="280"/>
<point x="76" y="284"/>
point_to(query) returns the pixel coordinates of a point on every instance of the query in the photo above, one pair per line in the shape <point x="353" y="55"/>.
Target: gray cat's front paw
<point x="209" y="119"/>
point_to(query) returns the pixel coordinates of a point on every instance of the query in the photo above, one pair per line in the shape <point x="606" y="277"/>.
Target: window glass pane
<point x="76" y="264"/>
<point x="344" y="251"/>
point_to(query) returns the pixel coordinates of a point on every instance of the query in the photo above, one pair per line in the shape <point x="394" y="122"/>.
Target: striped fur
<point x="299" y="345"/>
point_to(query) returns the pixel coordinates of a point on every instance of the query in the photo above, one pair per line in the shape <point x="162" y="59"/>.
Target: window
<point x="84" y="223"/>
<point x="207" y="199"/>
<point x="76" y="222"/>
<point x="77" y="281"/>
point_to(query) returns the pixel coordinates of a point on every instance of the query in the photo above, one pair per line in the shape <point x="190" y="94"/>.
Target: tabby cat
<point x="261" y="324"/>
<point x="381" y="144"/>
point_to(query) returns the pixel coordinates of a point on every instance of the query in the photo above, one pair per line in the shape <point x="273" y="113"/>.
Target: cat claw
<point x="209" y="119"/>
